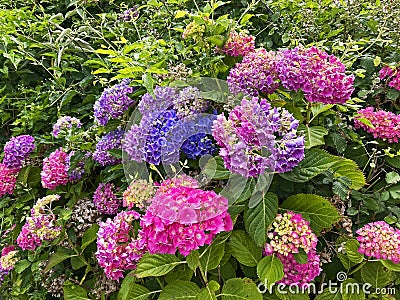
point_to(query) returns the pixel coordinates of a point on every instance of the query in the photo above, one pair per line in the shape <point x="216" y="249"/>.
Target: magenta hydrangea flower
<point x="256" y="138"/>
<point x="65" y="123"/>
<point x="40" y="226"/>
<point x="17" y="149"/>
<point x="55" y="171"/>
<point x="386" y="125"/>
<point x="8" y="179"/>
<point x="393" y="74"/>
<point x="386" y="71"/>
<point x="379" y="240"/>
<point x="255" y="74"/>
<point x="117" y="248"/>
<point x="184" y="219"/>
<point x="238" y="44"/>
<point x="8" y="258"/>
<point x="105" y="200"/>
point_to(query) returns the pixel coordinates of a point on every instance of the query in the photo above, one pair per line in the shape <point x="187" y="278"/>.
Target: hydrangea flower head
<point x="17" y="149"/>
<point x="130" y="14"/>
<point x="8" y="179"/>
<point x="386" y="125"/>
<point x="110" y="141"/>
<point x="113" y="102"/>
<point x="117" y="248"/>
<point x="55" y="172"/>
<point x="65" y="123"/>
<point x="238" y="44"/>
<point x="8" y="258"/>
<point x="76" y="172"/>
<point x="379" y="240"/>
<point x="393" y="74"/>
<point x="105" y="199"/>
<point x="138" y="194"/>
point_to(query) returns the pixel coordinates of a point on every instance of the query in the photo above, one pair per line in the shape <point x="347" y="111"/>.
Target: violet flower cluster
<point x="113" y="102"/>
<point x="17" y="149"/>
<point x="138" y="194"/>
<point x="40" y="226"/>
<point x="255" y="139"/>
<point x="184" y="218"/>
<point x="117" y="248"/>
<point x="238" y="44"/>
<point x="8" y="179"/>
<point x="55" y="171"/>
<point x="76" y="172"/>
<point x="393" y="74"/>
<point x="130" y="14"/>
<point x="169" y="119"/>
<point x="105" y="199"/>
<point x="65" y="123"/>
<point x="320" y="76"/>
<point x="110" y="141"/>
<point x="386" y="125"/>
<point x="379" y="240"/>
<point x="290" y="233"/>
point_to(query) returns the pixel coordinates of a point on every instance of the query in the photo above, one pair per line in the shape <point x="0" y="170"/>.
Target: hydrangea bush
<point x="189" y="152"/>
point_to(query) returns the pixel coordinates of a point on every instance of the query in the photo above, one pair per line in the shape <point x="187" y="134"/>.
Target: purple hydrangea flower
<point x="75" y="174"/>
<point x="110" y="141"/>
<point x="130" y="14"/>
<point x="113" y="102"/>
<point x="105" y="200"/>
<point x="17" y="149"/>
<point x="65" y="123"/>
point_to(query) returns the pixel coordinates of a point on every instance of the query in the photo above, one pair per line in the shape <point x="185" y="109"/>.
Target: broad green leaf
<point x="330" y="294"/>
<point x="180" y="14"/>
<point x="391" y="265"/>
<point x="208" y="293"/>
<point x="287" y="294"/>
<point x="148" y="82"/>
<point x="393" y="161"/>
<point x="74" y="292"/>
<point x="156" y="264"/>
<point x="376" y="274"/>
<point x="89" y="236"/>
<point x="352" y="247"/>
<point x="314" y="163"/>
<point x="183" y="290"/>
<point x="352" y="290"/>
<point x="320" y="211"/>
<point x="106" y="51"/>
<point x="215" y="169"/>
<point x="240" y="289"/>
<point x="245" y="18"/>
<point x="349" y="169"/>
<point x="313" y="136"/>
<point x="258" y="219"/>
<point x="77" y="262"/>
<point x="55" y="259"/>
<point x="270" y="270"/>
<point x="319" y="108"/>
<point x="21" y="265"/>
<point x="193" y="260"/>
<point x="211" y="257"/>
<point x="392" y="177"/>
<point x="181" y="272"/>
<point x="133" y="291"/>
<point x="244" y="249"/>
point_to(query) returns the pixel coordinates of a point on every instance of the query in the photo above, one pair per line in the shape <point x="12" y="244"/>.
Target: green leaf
<point x="193" y="260"/>
<point x="107" y="52"/>
<point x="245" y="18"/>
<point x="148" y="82"/>
<point x="352" y="246"/>
<point x="77" y="262"/>
<point x="211" y="257"/>
<point x="89" y="236"/>
<point x="270" y="270"/>
<point x="376" y="274"/>
<point x="392" y="177"/>
<point x="319" y="108"/>
<point x="301" y="257"/>
<point x="132" y="291"/>
<point x="330" y="294"/>
<point x="320" y="211"/>
<point x="377" y="60"/>
<point x="180" y="290"/>
<point x="314" y="163"/>
<point x="339" y="141"/>
<point x="313" y="136"/>
<point x="74" y="292"/>
<point x="391" y="265"/>
<point x="240" y="289"/>
<point x="258" y="219"/>
<point x="215" y="169"/>
<point x="180" y="14"/>
<point x="156" y="264"/>
<point x="244" y="249"/>
<point x="349" y="169"/>
<point x="21" y="265"/>
<point x="352" y="290"/>
<point x="55" y="259"/>
<point x="208" y="293"/>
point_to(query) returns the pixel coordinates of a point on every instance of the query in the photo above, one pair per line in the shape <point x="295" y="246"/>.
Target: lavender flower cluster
<point x="17" y="149"/>
<point x="76" y="172"/>
<point x="65" y="123"/>
<point x="113" y="102"/>
<point x="110" y="141"/>
<point x="106" y="200"/>
<point x="256" y="138"/>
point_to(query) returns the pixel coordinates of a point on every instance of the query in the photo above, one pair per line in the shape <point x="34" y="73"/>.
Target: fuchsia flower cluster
<point x="55" y="171"/>
<point x="320" y="76"/>
<point x="117" y="248"/>
<point x="256" y="138"/>
<point x="238" y="44"/>
<point x="290" y="233"/>
<point x="105" y="199"/>
<point x="184" y="218"/>
<point x="8" y="259"/>
<point x="379" y="240"/>
<point x="393" y="74"/>
<point x="8" y="179"/>
<point x="386" y="125"/>
<point x="40" y="226"/>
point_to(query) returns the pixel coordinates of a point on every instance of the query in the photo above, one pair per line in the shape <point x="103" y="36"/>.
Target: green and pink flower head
<point x="393" y="75"/>
<point x="55" y="170"/>
<point x="238" y="44"/>
<point x="8" y="179"/>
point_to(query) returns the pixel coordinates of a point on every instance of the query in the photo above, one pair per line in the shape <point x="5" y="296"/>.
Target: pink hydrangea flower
<point x="54" y="171"/>
<point x="379" y="240"/>
<point x="138" y="194"/>
<point x="393" y="74"/>
<point x="105" y="199"/>
<point x="117" y="248"/>
<point x="8" y="179"/>
<point x="8" y="258"/>
<point x="184" y="218"/>
<point x="238" y="44"/>
<point x="386" y="125"/>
